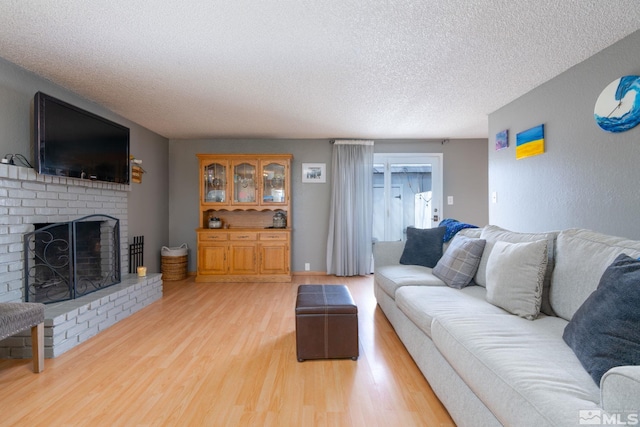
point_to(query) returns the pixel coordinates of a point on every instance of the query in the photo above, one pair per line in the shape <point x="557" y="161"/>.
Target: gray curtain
<point x="351" y="215"/>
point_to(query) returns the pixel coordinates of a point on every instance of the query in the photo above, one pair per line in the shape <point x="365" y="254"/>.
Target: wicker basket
<point x="174" y="267"/>
<point x="174" y="263"/>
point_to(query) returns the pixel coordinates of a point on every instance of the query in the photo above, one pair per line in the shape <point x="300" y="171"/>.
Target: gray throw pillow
<point x="515" y="277"/>
<point x="423" y="246"/>
<point x="605" y="331"/>
<point x="493" y="233"/>
<point x="460" y="261"/>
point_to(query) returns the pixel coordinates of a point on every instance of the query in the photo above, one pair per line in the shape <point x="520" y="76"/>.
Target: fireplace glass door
<point x="67" y="260"/>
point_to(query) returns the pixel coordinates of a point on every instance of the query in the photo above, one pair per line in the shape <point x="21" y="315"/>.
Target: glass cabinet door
<point x="215" y="183"/>
<point x="273" y="183"/>
<point x="244" y="182"/>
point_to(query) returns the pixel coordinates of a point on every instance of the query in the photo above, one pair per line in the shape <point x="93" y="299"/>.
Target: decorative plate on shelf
<point x="215" y="196"/>
<point x="618" y="106"/>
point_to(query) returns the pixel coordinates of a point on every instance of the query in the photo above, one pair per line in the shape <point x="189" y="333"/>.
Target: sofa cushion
<point x="392" y="277"/>
<point x="422" y="303"/>
<point x="521" y="370"/>
<point x="492" y="234"/>
<point x="581" y="258"/>
<point x="620" y="389"/>
<point x="473" y="233"/>
<point x="423" y="247"/>
<point x="387" y="253"/>
<point x="515" y="276"/>
<point x="605" y="331"/>
<point x="459" y="262"/>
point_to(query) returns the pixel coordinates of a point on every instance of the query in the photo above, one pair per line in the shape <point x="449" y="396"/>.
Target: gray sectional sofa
<point x="497" y="363"/>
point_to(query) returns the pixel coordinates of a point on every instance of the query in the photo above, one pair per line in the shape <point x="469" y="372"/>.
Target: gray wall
<point x="465" y="178"/>
<point x="164" y="207"/>
<point x="587" y="177"/>
<point x="464" y="174"/>
<point x="147" y="202"/>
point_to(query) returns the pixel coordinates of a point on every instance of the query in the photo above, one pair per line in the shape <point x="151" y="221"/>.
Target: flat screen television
<point x="72" y="142"/>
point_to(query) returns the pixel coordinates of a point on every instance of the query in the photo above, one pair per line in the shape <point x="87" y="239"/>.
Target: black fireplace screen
<point x="69" y="259"/>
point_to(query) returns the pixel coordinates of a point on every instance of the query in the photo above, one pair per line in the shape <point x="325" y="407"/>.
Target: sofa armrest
<point x="620" y="389"/>
<point x="387" y="253"/>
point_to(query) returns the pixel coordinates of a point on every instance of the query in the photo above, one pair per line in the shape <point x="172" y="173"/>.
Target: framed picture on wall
<point x="502" y="140"/>
<point x="314" y="172"/>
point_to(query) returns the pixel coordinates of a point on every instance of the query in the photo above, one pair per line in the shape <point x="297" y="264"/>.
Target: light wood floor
<point x="223" y="355"/>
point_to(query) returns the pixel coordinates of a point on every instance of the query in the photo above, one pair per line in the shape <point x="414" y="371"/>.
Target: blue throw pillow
<point x="423" y="246"/>
<point x="605" y="331"/>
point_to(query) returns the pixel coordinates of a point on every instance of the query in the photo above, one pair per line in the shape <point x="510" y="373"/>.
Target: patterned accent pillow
<point x="459" y="263"/>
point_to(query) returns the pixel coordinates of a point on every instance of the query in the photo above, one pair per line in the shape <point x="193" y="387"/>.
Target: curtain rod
<point x="352" y="141"/>
<point x="371" y="142"/>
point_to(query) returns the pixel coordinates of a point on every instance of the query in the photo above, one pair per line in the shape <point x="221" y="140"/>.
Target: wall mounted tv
<point x="75" y="143"/>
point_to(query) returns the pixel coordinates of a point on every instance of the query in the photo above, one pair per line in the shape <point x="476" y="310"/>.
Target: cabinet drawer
<point x="212" y="237"/>
<point x="243" y="236"/>
<point x="273" y="236"/>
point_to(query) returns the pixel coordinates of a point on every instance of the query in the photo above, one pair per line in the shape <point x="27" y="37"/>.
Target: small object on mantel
<point x="136" y="170"/>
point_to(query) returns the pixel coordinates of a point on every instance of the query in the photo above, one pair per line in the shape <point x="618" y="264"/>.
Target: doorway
<point x="407" y="191"/>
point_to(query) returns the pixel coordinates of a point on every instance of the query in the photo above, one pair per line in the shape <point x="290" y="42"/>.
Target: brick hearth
<point x="27" y="198"/>
<point x="72" y="322"/>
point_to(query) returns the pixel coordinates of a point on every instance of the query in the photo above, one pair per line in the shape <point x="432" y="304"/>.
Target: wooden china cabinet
<point x="238" y="237"/>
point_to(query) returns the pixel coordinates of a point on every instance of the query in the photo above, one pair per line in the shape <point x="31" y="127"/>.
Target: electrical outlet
<point x="450" y="200"/>
<point x="307" y="266"/>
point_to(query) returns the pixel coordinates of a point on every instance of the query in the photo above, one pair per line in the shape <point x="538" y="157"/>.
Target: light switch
<point x="494" y="197"/>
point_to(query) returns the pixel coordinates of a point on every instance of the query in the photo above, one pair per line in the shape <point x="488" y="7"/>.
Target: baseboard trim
<point x="310" y="273"/>
<point x="295" y="273"/>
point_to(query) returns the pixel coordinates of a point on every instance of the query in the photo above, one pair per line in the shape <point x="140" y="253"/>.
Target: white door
<point x="411" y="193"/>
<point x="393" y="232"/>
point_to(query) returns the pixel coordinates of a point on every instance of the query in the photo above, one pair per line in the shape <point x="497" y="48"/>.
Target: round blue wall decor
<point x="618" y="106"/>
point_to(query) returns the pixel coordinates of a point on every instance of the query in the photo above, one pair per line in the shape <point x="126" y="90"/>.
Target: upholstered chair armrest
<point x="620" y="389"/>
<point x="387" y="253"/>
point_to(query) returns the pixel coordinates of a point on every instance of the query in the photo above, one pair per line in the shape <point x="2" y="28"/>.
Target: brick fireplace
<point x="67" y="260"/>
<point x="27" y="199"/>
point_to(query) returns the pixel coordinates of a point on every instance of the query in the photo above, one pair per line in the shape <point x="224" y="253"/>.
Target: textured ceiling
<point x="308" y="69"/>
